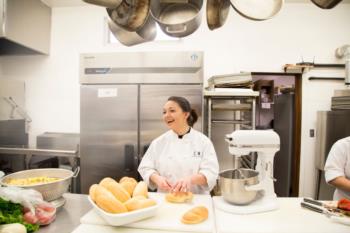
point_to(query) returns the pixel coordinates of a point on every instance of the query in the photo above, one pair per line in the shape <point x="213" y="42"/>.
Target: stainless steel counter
<point x="29" y="152"/>
<point x="68" y="218"/>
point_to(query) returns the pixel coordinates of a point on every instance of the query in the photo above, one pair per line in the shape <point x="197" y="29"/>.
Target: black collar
<point x="181" y="136"/>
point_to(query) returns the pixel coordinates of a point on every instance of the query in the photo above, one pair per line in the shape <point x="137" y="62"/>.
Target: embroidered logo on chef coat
<point x="197" y="154"/>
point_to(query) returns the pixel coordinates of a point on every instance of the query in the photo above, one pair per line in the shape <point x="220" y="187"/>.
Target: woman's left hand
<point x="182" y="185"/>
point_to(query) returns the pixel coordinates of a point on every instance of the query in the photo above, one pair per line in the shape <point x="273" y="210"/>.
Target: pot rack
<point x="217" y="10"/>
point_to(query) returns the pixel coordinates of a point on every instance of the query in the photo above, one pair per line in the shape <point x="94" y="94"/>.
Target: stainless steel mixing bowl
<point x="50" y="191"/>
<point x="232" y="184"/>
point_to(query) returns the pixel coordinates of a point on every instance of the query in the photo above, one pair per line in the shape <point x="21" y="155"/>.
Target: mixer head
<point x="242" y="142"/>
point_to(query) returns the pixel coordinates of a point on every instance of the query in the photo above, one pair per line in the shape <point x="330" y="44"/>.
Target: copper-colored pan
<point x="130" y="15"/>
<point x="217" y="12"/>
<point x="326" y="4"/>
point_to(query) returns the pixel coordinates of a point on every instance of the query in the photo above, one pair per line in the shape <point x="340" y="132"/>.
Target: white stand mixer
<point x="266" y="143"/>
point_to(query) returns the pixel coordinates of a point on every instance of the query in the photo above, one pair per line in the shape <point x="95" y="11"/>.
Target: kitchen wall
<point x="300" y="30"/>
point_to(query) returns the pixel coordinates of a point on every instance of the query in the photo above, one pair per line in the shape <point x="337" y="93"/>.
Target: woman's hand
<point x="162" y="183"/>
<point x="182" y="185"/>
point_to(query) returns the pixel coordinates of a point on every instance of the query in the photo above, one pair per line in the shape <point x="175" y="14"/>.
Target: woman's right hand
<point x="162" y="183"/>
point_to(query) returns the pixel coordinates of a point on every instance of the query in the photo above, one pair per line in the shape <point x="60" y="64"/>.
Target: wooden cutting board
<point x="167" y="218"/>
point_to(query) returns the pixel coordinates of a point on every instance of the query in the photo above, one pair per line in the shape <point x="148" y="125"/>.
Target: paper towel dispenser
<point x="25" y="27"/>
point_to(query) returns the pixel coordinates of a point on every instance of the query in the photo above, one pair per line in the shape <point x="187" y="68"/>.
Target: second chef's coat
<point x="338" y="164"/>
<point x="176" y="158"/>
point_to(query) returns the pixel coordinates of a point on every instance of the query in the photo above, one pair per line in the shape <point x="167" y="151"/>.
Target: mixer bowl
<point x="232" y="184"/>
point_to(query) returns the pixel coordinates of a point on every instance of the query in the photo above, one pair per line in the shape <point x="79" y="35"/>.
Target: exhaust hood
<point x="25" y="27"/>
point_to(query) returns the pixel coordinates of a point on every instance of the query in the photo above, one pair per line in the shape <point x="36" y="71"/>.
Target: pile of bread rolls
<point x="127" y="195"/>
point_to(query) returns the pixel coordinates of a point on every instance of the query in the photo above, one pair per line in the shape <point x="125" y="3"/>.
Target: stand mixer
<point x="266" y="143"/>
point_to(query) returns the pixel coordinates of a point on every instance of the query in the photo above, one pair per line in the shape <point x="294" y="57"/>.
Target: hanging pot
<point x="257" y="9"/>
<point x="144" y="34"/>
<point x="217" y="12"/>
<point x="130" y="14"/>
<point x="105" y="3"/>
<point x="177" y="18"/>
<point x="326" y="4"/>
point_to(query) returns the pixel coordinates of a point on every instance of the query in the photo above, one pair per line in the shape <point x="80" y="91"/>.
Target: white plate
<point x="125" y="218"/>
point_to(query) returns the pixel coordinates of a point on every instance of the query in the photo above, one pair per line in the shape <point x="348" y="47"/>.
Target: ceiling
<point x="67" y="3"/>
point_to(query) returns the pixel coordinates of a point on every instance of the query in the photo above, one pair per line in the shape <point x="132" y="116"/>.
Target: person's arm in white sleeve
<point x="335" y="168"/>
<point x="209" y="166"/>
<point x="147" y="166"/>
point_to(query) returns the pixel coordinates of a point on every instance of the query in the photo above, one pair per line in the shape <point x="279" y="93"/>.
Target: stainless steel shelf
<point x="29" y="152"/>
<point x="230" y="122"/>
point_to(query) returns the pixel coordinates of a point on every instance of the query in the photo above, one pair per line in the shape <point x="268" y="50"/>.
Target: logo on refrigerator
<point x="194" y="57"/>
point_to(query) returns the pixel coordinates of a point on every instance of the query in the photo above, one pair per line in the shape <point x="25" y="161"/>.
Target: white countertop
<point x="289" y="218"/>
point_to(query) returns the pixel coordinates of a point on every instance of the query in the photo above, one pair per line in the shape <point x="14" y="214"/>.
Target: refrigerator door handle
<point x="145" y="148"/>
<point x="129" y="161"/>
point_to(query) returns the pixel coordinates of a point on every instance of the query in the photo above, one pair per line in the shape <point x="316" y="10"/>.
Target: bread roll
<point x="106" y="180"/>
<point x="117" y="190"/>
<point x="110" y="204"/>
<point x="129" y="186"/>
<point x="139" y="202"/>
<point x="127" y="179"/>
<point x="179" y="197"/>
<point x="92" y="192"/>
<point x="196" y="215"/>
<point x="100" y="190"/>
<point x="140" y="189"/>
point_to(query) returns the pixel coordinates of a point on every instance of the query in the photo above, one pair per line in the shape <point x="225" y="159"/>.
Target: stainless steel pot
<point x="146" y="33"/>
<point x="131" y="15"/>
<point x="257" y="9"/>
<point x="217" y="12"/>
<point x="233" y="184"/>
<point x="177" y="18"/>
<point x="326" y="4"/>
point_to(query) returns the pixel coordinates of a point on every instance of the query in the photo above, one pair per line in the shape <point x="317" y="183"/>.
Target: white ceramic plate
<point x="125" y="218"/>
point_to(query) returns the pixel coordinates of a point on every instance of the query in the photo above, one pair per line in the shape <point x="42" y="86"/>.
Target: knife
<point x="312" y="201"/>
<point x="312" y="207"/>
<point x="334" y="217"/>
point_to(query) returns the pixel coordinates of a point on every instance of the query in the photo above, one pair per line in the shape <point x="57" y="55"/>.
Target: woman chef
<point x="337" y="168"/>
<point x="182" y="159"/>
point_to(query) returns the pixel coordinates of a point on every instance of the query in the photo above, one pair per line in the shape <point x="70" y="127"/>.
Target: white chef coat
<point x="338" y="164"/>
<point x="175" y="158"/>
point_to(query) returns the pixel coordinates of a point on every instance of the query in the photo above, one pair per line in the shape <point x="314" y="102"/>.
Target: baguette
<point x="100" y="190"/>
<point x="140" y="190"/>
<point x="179" y="197"/>
<point x="127" y="179"/>
<point x="196" y="215"/>
<point x="129" y="186"/>
<point x="110" y="204"/>
<point x="138" y="202"/>
<point x="92" y="192"/>
<point x="117" y="190"/>
<point x="106" y="180"/>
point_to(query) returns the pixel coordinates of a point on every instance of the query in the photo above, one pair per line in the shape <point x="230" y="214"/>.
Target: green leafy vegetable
<point x="12" y="213"/>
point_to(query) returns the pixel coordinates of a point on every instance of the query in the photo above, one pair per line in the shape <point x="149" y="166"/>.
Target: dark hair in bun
<point x="186" y="107"/>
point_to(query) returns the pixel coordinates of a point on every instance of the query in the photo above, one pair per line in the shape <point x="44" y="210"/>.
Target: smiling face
<point x="174" y="117"/>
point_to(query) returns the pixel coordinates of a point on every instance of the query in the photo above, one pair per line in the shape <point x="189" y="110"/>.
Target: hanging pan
<point x="130" y="14"/>
<point x="257" y="9"/>
<point x="326" y="4"/>
<point x="217" y="12"/>
<point x="105" y="3"/>
<point x="144" y="34"/>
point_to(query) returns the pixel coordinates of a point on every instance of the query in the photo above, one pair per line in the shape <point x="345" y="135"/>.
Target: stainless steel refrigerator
<point x="331" y="126"/>
<point x="121" y="100"/>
